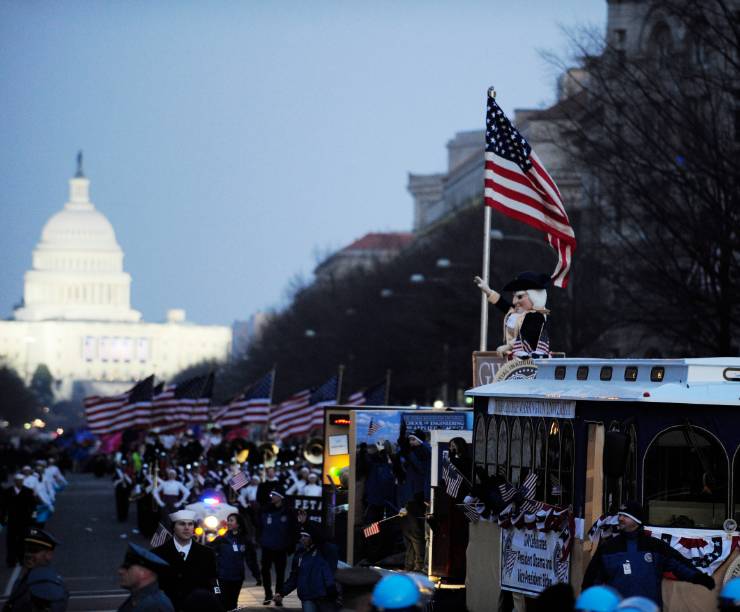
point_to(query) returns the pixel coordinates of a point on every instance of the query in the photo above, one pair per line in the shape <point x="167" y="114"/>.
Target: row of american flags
<point x="176" y="406"/>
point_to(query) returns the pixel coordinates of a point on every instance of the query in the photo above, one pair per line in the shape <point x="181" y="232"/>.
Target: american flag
<point x="507" y="490"/>
<point x="517" y="185"/>
<point x="107" y="415"/>
<point x="371" y="396"/>
<point x="160" y="536"/>
<point x="562" y="570"/>
<point x="510" y="560"/>
<point x="452" y="478"/>
<point x="373" y="427"/>
<point x="471" y="512"/>
<point x="238" y="480"/>
<point x="193" y="398"/>
<point x="304" y="411"/>
<point x="164" y="405"/>
<point x="251" y="407"/>
<point x="372" y="529"/>
<point x="529" y="486"/>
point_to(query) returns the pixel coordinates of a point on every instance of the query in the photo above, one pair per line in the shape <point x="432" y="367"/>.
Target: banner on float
<point x="553" y="409"/>
<point x="532" y="560"/>
<point x="311" y="505"/>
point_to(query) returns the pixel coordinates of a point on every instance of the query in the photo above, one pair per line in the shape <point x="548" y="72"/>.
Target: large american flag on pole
<point x="193" y="398"/>
<point x="371" y="396"/>
<point x="304" y="411"/>
<point x="250" y="408"/>
<point x="517" y="185"/>
<point x="107" y="415"/>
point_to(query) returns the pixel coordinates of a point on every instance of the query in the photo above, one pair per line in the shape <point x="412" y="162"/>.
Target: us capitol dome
<point x="77" y="271"/>
<point x="76" y="316"/>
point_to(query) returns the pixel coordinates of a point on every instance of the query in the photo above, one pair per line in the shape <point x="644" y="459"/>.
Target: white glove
<point x="469" y="499"/>
<point x="380" y="444"/>
<point x="493" y="296"/>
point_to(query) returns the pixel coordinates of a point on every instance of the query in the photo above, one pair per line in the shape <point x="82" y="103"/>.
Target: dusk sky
<point x="232" y="143"/>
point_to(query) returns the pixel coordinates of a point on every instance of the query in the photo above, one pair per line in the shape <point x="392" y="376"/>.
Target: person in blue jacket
<point x="277" y="538"/>
<point x="413" y="470"/>
<point x="311" y="576"/>
<point x="633" y="562"/>
<point x="234" y="550"/>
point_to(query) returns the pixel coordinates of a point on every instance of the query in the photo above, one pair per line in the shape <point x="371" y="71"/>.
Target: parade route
<point x="93" y="544"/>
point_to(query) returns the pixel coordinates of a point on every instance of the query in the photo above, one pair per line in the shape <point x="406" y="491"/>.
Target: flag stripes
<point x="517" y="185"/>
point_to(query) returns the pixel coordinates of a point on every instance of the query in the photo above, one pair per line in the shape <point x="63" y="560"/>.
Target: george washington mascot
<point x="525" y="318"/>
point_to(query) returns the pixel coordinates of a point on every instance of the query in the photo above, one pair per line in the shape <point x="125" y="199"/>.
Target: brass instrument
<point x="313" y="452"/>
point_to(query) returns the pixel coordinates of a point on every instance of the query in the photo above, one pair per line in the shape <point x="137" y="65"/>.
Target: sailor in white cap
<point x="192" y="565"/>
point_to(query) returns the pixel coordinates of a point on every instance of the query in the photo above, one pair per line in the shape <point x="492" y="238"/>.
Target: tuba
<point x="313" y="452"/>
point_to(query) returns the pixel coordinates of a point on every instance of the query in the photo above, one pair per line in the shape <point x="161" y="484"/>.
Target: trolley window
<point x="540" y="458"/>
<point x="502" y="457"/>
<point x="480" y="441"/>
<point x="685" y="474"/>
<point x="491" y="447"/>
<point x="516" y="453"/>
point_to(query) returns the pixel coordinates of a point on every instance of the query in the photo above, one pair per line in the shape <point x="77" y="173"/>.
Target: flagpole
<point x="485" y="273"/>
<point x="340" y="377"/>
<point x="386" y="398"/>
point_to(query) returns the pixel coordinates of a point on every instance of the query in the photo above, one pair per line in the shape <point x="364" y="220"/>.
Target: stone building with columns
<point x="76" y="316"/>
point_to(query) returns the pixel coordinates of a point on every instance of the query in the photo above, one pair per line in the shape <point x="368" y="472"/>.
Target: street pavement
<point x="93" y="544"/>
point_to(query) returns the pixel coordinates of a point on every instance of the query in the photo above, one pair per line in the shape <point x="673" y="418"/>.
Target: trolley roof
<point x="714" y="380"/>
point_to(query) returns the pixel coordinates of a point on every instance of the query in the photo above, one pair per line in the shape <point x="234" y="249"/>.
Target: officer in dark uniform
<point x="138" y="574"/>
<point x="38" y="586"/>
<point x="18" y="506"/>
<point x="278" y="535"/>
<point x="192" y="565"/>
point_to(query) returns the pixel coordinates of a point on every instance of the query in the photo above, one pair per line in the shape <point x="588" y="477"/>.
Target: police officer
<point x="38" y="584"/>
<point x="18" y="506"/>
<point x="123" y="484"/>
<point x="311" y="576"/>
<point x="192" y="565"/>
<point x="138" y="574"/>
<point x="633" y="562"/>
<point x="277" y="538"/>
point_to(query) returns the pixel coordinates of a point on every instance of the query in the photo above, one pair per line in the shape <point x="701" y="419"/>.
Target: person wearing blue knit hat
<point x="396" y="592"/>
<point x="598" y="599"/>
<point x="729" y="597"/>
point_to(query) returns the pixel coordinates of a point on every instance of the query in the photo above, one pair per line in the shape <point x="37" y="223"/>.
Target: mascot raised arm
<point x="525" y="317"/>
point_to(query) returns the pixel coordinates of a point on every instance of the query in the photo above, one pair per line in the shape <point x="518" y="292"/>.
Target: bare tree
<point x="657" y="131"/>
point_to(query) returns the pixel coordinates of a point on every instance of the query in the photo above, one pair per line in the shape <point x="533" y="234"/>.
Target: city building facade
<point x="76" y="316"/>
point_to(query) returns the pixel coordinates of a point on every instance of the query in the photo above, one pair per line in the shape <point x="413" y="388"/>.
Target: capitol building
<point x="76" y="316"/>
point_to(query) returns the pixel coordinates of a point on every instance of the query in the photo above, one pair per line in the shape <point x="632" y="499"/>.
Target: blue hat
<point x="730" y="595"/>
<point x="598" y="599"/>
<point x="528" y="280"/>
<point x="136" y="555"/>
<point x="38" y="538"/>
<point x="638" y="604"/>
<point x="395" y="592"/>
